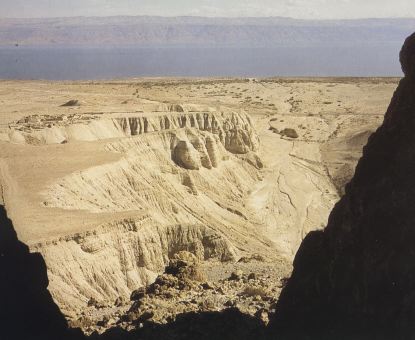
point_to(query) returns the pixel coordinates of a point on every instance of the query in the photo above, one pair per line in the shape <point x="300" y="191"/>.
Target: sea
<point x="100" y="63"/>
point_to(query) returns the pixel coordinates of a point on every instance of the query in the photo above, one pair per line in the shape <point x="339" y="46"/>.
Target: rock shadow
<point x="229" y="324"/>
<point x="27" y="310"/>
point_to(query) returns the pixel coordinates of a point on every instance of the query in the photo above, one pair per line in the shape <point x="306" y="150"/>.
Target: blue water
<point x="106" y="63"/>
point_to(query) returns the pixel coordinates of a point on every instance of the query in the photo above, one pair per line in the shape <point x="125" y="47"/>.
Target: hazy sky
<point x="331" y="9"/>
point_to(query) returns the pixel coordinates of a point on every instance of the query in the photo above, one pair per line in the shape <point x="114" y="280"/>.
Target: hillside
<point x="199" y="31"/>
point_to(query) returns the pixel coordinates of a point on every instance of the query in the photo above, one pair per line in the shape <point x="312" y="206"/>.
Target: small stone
<point x="103" y="322"/>
<point x="130" y="316"/>
<point x="120" y="301"/>
<point x="147" y="315"/>
<point x="257" y="298"/>
<point x="164" y="281"/>
<point x="72" y="102"/>
<point x="207" y="305"/>
<point x="94" y="303"/>
<point x="236" y="275"/>
<point x="262" y="315"/>
<point x="207" y="286"/>
<point x="220" y="290"/>
<point x="230" y="303"/>
<point x="136" y="304"/>
<point x="290" y="133"/>
<point x="138" y="294"/>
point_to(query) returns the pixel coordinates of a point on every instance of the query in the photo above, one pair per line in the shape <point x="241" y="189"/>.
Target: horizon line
<point x="210" y="17"/>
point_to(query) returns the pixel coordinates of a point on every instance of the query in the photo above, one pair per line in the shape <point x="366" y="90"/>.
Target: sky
<point x="303" y="9"/>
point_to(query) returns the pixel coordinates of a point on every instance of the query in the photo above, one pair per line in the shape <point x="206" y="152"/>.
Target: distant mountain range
<point x="200" y="31"/>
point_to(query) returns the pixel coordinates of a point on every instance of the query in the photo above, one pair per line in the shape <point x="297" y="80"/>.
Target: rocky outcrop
<point x="356" y="279"/>
<point x="183" y="288"/>
<point x="72" y="102"/>
<point x="203" y="150"/>
<point x="130" y="183"/>
<point x="213" y="151"/>
<point x="176" y="108"/>
<point x="171" y="209"/>
<point x="230" y="198"/>
<point x="233" y="129"/>
<point x="188" y="182"/>
<point x="239" y="141"/>
<point x="116" y="258"/>
<point x="199" y="144"/>
<point x="186" y="156"/>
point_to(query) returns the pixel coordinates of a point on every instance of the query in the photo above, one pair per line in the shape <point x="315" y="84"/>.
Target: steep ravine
<point x="118" y="194"/>
<point x="202" y="188"/>
<point x="182" y="188"/>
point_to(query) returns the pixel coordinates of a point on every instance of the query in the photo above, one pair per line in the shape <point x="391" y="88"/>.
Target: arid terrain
<point x="112" y="180"/>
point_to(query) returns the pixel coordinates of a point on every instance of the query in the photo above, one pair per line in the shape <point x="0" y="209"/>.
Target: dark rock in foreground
<point x="356" y="279"/>
<point x="27" y="310"/>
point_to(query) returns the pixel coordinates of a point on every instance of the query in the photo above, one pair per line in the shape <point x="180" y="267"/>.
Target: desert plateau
<point x="206" y="186"/>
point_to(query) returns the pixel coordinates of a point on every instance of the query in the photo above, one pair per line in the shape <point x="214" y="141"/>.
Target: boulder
<point x="186" y="156"/>
<point x="289" y="132"/>
<point x="72" y="102"/>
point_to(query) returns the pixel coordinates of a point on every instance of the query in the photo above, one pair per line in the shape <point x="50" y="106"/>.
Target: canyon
<point x="110" y="180"/>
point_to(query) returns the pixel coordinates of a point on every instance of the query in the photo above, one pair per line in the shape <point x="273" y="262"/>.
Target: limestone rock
<point x="238" y="141"/>
<point x="72" y="102"/>
<point x="188" y="182"/>
<point x="138" y="294"/>
<point x="143" y="251"/>
<point x="186" y="156"/>
<point x="237" y="275"/>
<point x="174" y="296"/>
<point x="176" y="108"/>
<point x="213" y="151"/>
<point x="186" y="257"/>
<point x="120" y="301"/>
<point x="92" y="302"/>
<point x="289" y="132"/>
<point x="253" y="159"/>
<point x="185" y="266"/>
<point x="199" y="145"/>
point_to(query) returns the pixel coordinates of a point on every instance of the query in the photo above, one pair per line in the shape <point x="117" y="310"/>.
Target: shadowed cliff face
<point x="357" y="277"/>
<point x="27" y="310"/>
